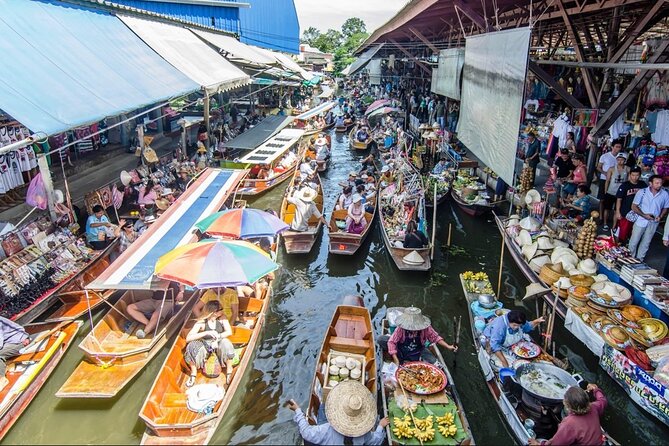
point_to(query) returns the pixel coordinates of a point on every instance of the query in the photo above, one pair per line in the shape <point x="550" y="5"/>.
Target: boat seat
<point x="174" y="400"/>
<point x="349" y="345"/>
<point x="250" y="305"/>
<point x="340" y="214"/>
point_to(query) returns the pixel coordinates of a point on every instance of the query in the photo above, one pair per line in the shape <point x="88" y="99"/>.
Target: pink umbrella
<point x="377" y="104"/>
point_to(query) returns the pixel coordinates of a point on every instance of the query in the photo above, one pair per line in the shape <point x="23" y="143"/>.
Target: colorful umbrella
<point x="242" y="224"/>
<point x="383" y="111"/>
<point x="215" y="263"/>
<point x="376" y="104"/>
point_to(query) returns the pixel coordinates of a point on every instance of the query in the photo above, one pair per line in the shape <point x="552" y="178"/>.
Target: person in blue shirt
<point x="96" y="223"/>
<point x="581" y="206"/>
<point x="440" y="167"/>
<point x="505" y="331"/>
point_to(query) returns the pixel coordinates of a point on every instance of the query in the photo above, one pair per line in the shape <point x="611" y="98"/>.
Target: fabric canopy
<point x="286" y="62"/>
<point x="446" y="78"/>
<point x="316" y="110"/>
<point x="236" y="50"/>
<point x="260" y="133"/>
<point x="188" y="54"/>
<point x="133" y="270"/>
<point x="65" y="66"/>
<point x="363" y="60"/>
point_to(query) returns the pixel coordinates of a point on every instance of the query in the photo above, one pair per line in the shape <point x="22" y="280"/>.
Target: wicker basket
<point x="582" y="280"/>
<point x="562" y="292"/>
<point x="549" y="274"/>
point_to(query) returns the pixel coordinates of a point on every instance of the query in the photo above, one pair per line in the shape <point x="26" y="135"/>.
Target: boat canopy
<point x="272" y="149"/>
<point x="133" y="269"/>
<point x="316" y="110"/>
<point x="260" y="133"/>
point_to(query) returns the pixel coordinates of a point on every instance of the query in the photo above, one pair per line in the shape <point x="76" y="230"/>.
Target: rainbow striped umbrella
<point x="215" y="263"/>
<point x="242" y="224"/>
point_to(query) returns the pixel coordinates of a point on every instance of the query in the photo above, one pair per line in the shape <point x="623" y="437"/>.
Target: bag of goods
<point x="662" y="372"/>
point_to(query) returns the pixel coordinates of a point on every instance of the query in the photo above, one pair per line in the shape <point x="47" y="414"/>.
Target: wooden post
<point x="450" y="230"/>
<point x="434" y="221"/>
<point x="501" y="263"/>
<point x="206" y="118"/>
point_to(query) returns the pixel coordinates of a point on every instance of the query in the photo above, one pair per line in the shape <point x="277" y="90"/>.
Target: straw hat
<point x="530" y="223"/>
<point x="167" y="191"/>
<point x="560" y="252"/>
<point x="535" y="289"/>
<point x="149" y="219"/>
<point x="560" y="244"/>
<point x="435" y="125"/>
<point x="524" y="238"/>
<point x="563" y="283"/>
<point x="58" y="196"/>
<point x="530" y="250"/>
<point x="413" y="319"/>
<point x="413" y="258"/>
<point x="537" y="262"/>
<point x="423" y="127"/>
<point x="532" y="196"/>
<point x="202" y="149"/>
<point x="125" y="178"/>
<point x="353" y="174"/>
<point x="351" y="409"/>
<point x="513" y="220"/>
<point x="162" y="204"/>
<point x="601" y="278"/>
<point x="385" y="169"/>
<point x="545" y="243"/>
<point x="307" y="194"/>
<point x="587" y="266"/>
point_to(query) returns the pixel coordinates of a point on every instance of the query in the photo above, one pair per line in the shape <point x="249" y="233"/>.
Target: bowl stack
<point x="577" y="295"/>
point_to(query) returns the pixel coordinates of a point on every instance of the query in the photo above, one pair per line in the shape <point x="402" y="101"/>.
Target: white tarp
<point x="446" y="78"/>
<point x="363" y="60"/>
<point x="188" y="54"/>
<point x="493" y="80"/>
<point x="374" y="68"/>
<point x="236" y="50"/>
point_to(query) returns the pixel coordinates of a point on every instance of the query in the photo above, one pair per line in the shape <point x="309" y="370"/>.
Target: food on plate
<point x="526" y="350"/>
<point x="421" y="378"/>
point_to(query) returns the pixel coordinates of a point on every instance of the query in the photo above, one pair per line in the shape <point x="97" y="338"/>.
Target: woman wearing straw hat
<point x="350" y="410"/>
<point x="304" y="208"/>
<point x="411" y="338"/>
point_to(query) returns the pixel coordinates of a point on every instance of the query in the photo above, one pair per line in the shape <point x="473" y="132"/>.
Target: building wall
<point x="271" y="24"/>
<point x="220" y="17"/>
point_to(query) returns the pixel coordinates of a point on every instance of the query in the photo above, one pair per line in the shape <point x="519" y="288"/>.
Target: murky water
<point x="305" y="296"/>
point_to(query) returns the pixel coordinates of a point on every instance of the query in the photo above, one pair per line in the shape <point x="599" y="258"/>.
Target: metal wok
<point x="562" y="376"/>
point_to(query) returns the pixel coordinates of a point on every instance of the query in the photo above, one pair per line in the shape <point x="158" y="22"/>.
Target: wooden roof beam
<point x="424" y="40"/>
<point x="426" y="69"/>
<point x="638" y="28"/>
<point x="554" y="85"/>
<point x="472" y="15"/>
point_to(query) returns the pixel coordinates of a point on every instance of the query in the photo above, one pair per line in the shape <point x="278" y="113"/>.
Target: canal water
<point x="305" y="295"/>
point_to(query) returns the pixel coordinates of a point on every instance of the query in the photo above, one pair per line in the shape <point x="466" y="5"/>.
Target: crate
<point x="326" y="372"/>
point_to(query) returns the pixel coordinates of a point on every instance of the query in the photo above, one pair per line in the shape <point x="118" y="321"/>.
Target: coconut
<point x="343" y="372"/>
<point x="334" y="370"/>
<point x="356" y="373"/>
<point x="350" y="363"/>
<point x="340" y="361"/>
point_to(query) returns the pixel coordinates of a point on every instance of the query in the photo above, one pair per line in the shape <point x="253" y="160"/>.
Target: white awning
<point x="236" y="50"/>
<point x="363" y="60"/>
<point x="187" y="53"/>
<point x="316" y="110"/>
<point x="273" y="148"/>
<point x="287" y="63"/>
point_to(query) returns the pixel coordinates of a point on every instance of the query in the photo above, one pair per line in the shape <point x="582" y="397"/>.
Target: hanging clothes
<point x="618" y="128"/>
<point x="661" y="135"/>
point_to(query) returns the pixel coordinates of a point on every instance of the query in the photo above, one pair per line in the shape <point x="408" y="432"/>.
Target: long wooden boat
<point x="447" y="400"/>
<point x="342" y="242"/>
<point x="359" y="145"/>
<point x="28" y="372"/>
<point x="513" y="409"/>
<point x="441" y="196"/>
<point x="475" y="210"/>
<point x="349" y="334"/>
<point x="301" y="242"/>
<point x="168" y="419"/>
<point x="344" y="128"/>
<point x="270" y="153"/>
<point x="410" y="178"/>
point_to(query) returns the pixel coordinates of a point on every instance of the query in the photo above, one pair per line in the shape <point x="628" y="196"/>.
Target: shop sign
<point x="639" y="385"/>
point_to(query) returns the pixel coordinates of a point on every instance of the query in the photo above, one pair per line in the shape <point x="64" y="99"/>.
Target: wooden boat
<point x="512" y="407"/>
<point x="411" y="179"/>
<point x="441" y="196"/>
<point x="447" y="399"/>
<point x="167" y="418"/>
<point x="301" y="242"/>
<point x="344" y="128"/>
<point x="475" y="210"/>
<point x="118" y="351"/>
<point x="351" y="334"/>
<point x="358" y="145"/>
<point x="270" y="153"/>
<point x="342" y="242"/>
<point x="28" y="372"/>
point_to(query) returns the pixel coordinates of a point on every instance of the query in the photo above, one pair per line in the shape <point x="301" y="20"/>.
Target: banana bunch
<point x="424" y="423"/>
<point x="403" y="427"/>
<point x="447" y="420"/>
<point x="470" y="275"/>
<point x="448" y="431"/>
<point x="406" y="407"/>
<point x="426" y="434"/>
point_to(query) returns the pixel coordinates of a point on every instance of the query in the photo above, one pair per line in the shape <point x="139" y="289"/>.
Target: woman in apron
<point x="505" y="331"/>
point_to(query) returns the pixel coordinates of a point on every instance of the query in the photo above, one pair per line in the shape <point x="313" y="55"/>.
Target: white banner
<point x="446" y="78"/>
<point x="493" y="80"/>
<point x="374" y="68"/>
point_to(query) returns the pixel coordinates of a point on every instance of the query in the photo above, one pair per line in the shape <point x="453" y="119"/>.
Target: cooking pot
<point x="560" y="375"/>
<point x="487" y="301"/>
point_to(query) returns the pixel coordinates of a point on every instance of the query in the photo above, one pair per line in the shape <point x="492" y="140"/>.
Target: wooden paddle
<point x="456" y="328"/>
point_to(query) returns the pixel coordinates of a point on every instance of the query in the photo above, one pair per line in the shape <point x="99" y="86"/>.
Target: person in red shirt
<point x="581" y="427"/>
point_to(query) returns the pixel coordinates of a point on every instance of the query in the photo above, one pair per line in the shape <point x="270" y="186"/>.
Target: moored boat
<point x="443" y="189"/>
<point x="359" y="145"/>
<point x="342" y="242"/>
<point x="348" y="345"/>
<point x="345" y="127"/>
<point x="467" y="195"/>
<point x="301" y="242"/>
<point x="276" y="160"/>
<point x="437" y="404"/>
<point x="28" y="372"/>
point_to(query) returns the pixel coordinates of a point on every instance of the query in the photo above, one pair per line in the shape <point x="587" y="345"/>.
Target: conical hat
<point x="413" y="258"/>
<point x="125" y="178"/>
<point x="530" y="223"/>
<point x="524" y="238"/>
<point x="532" y="196"/>
<point x="530" y="250"/>
<point x="413" y="319"/>
<point x="545" y="243"/>
<point x="351" y="409"/>
<point x="307" y="194"/>
<point x="538" y="261"/>
<point x="535" y="289"/>
<point x="587" y="266"/>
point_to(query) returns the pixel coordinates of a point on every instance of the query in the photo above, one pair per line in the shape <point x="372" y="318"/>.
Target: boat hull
<point x="259" y="187"/>
<point x="343" y="243"/>
<point x="301" y="242"/>
<point x="474" y="210"/>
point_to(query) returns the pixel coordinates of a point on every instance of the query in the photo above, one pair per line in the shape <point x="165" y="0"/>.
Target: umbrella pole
<point x="501" y="264"/>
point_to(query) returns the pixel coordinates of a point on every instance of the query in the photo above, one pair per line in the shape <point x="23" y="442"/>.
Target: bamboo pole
<point x="409" y="410"/>
<point x="434" y="221"/>
<point x="501" y="263"/>
<point x="450" y="231"/>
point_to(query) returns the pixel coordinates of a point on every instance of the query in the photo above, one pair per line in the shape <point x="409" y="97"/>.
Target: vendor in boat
<point x="362" y="134"/>
<point x="350" y="412"/>
<point x="505" y="331"/>
<point x="340" y="121"/>
<point x="322" y="150"/>
<point x="209" y="334"/>
<point x="345" y="199"/>
<point x="183" y="180"/>
<point x="305" y="208"/>
<point x="355" y="219"/>
<point x="582" y="425"/>
<point x="388" y="140"/>
<point x="351" y="181"/>
<point x="414" y="239"/>
<point x="227" y="298"/>
<point x="151" y="311"/>
<point x="440" y="167"/>
<point x="412" y="337"/>
<point x="265" y="172"/>
<point x="13" y="338"/>
<point x="387" y="176"/>
<point x="308" y="168"/>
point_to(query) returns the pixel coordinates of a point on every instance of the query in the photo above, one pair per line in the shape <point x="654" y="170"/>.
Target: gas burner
<point x="545" y="416"/>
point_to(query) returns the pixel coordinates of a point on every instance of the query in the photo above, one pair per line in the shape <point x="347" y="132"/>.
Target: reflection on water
<point x="306" y="293"/>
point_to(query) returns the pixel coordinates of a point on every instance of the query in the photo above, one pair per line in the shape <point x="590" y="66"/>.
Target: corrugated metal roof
<point x="271" y="24"/>
<point x="223" y="17"/>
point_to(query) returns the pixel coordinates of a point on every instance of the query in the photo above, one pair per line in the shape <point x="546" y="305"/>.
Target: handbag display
<point x="11" y="244"/>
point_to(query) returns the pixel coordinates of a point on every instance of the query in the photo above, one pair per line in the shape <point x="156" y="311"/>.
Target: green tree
<point x="310" y="35"/>
<point x="353" y="26"/>
<point x="329" y="41"/>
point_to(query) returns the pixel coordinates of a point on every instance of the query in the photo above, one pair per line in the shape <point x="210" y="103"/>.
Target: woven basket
<point x="548" y="275"/>
<point x="562" y="293"/>
<point x="582" y="280"/>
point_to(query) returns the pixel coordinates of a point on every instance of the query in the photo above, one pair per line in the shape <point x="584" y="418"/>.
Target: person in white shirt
<point x="606" y="162"/>
<point x="650" y="205"/>
<point x="304" y="208"/>
<point x="307" y="168"/>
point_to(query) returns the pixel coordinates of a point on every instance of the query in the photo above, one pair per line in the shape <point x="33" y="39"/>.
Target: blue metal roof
<point x="271" y="24"/>
<point x="224" y="17"/>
